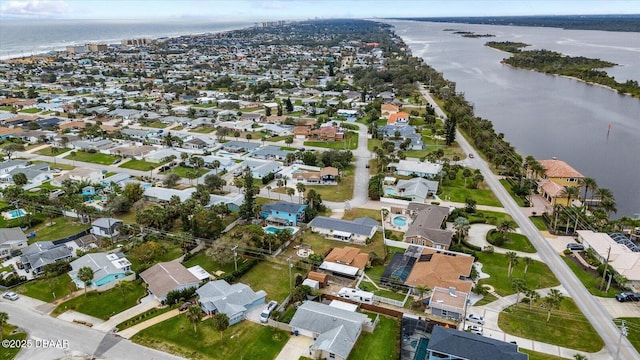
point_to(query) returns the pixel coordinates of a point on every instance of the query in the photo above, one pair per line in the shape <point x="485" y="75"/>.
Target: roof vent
<point x="452" y="291"/>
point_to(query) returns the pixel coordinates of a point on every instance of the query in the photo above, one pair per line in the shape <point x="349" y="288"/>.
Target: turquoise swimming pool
<point x="273" y="229"/>
<point x="400" y="220"/>
<point x="14" y="214"/>
<point x="390" y="191"/>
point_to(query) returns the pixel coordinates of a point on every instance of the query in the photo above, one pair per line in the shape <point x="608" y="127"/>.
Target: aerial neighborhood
<point x="287" y="191"/>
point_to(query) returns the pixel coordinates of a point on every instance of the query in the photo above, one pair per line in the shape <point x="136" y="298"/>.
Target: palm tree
<point x="268" y="187"/>
<point x="221" y="323"/>
<point x="527" y="261"/>
<point x="215" y="165"/>
<point x="513" y="261"/>
<point x="519" y="286"/>
<point x="4" y="317"/>
<point x="421" y="289"/>
<point x="609" y="206"/>
<point x="461" y="225"/>
<point x="290" y="192"/>
<point x="194" y="315"/>
<point x="570" y="193"/>
<point x="533" y="297"/>
<point x="301" y="189"/>
<point x="85" y="274"/>
<point x="553" y="300"/>
<point x="579" y="357"/>
<point x="505" y="227"/>
<point x="588" y="183"/>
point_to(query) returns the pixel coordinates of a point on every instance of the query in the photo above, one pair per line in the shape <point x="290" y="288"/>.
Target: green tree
<point x="290" y="192"/>
<point x="461" y="226"/>
<point x="133" y="192"/>
<point x="527" y="261"/>
<point x="214" y="182"/>
<point x="505" y="227"/>
<point x="20" y="179"/>
<point x="85" y="274"/>
<point x="533" y="297"/>
<point x="301" y="189"/>
<point x="470" y="205"/>
<point x="288" y="105"/>
<point x="4" y="317"/>
<point x="519" y="286"/>
<point x="553" y="300"/>
<point x="512" y="257"/>
<point x="571" y="193"/>
<point x="221" y="323"/>
<point x="267" y="111"/>
<point x="194" y="315"/>
<point x="249" y="204"/>
<point x="12" y="148"/>
<point x="588" y="183"/>
<point x="171" y="180"/>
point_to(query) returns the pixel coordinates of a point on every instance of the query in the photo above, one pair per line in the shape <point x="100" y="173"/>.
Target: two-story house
<point x="282" y="212"/>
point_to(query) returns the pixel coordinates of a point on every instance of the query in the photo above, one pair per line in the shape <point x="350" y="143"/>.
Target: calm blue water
<point x="400" y="220"/>
<point x="22" y="37"/>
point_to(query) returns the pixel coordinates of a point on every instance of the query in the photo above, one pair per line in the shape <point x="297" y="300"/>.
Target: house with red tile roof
<point x="400" y="118"/>
<point x="557" y="175"/>
<point x="387" y="110"/>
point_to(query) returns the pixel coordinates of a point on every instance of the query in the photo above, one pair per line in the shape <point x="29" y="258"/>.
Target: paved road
<point x="595" y="313"/>
<point x="81" y="340"/>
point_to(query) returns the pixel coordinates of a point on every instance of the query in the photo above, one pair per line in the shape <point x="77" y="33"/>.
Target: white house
<point x="416" y="168"/>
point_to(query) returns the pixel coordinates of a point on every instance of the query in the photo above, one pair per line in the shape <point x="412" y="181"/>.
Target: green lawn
<point x="486" y="299"/>
<point x="185" y="171"/>
<point x="208" y="263"/>
<point x="30" y="111"/>
<point x="103" y="305"/>
<point x="591" y="282"/>
<point x="140" y="165"/>
<point x="56" y="165"/>
<point x="633" y="335"/>
<point x="538" y="221"/>
<point x="8" y="330"/>
<point x="360" y="212"/>
<point x="44" y="289"/>
<point x="567" y="327"/>
<point x="203" y="129"/>
<point x="514" y="241"/>
<point x="155" y="124"/>
<point x="341" y="192"/>
<point x="378" y="345"/>
<point x="538" y="274"/>
<point x="507" y="185"/>
<point x="271" y="277"/>
<point x="171" y="252"/>
<point x="534" y="355"/>
<point x="96" y="158"/>
<point x="277" y="138"/>
<point x="350" y="143"/>
<point x="367" y="286"/>
<point x="149" y="314"/>
<point x="61" y="228"/>
<point x="488" y="217"/>
<point x="47" y="151"/>
<point x="177" y="336"/>
<point x="456" y="191"/>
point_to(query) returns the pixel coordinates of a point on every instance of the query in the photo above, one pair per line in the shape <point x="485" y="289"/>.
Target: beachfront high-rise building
<point x="76" y="49"/>
<point x="97" y="47"/>
<point x="136" y="42"/>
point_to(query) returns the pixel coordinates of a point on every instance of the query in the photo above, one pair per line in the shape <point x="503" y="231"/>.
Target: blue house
<point x="234" y="300"/>
<point x="282" y="212"/>
<point x="107" y="268"/>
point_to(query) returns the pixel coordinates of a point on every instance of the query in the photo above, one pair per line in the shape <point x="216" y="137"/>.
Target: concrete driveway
<point x="253" y="315"/>
<point x="296" y="347"/>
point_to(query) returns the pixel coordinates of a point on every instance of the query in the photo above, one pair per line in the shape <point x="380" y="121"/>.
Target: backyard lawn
<point x="208" y="263"/>
<point x="514" y="241"/>
<point x="61" y="228"/>
<point x="538" y="274"/>
<point x="271" y="277"/>
<point x="48" y="151"/>
<point x="457" y="191"/>
<point x="378" y="345"/>
<point x="341" y="192"/>
<point x="590" y="281"/>
<point x="96" y="158"/>
<point x="45" y="289"/>
<point x="170" y="251"/>
<point x="140" y="165"/>
<point x="177" y="336"/>
<point x="203" y="129"/>
<point x="350" y="143"/>
<point x="567" y="327"/>
<point x="360" y="212"/>
<point x="185" y="172"/>
<point x="103" y="305"/>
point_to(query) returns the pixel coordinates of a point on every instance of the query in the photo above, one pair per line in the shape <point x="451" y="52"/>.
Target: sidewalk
<point x="128" y="333"/>
<point x="147" y="303"/>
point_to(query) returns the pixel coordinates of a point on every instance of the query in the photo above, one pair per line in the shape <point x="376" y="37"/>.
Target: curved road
<point x="590" y="307"/>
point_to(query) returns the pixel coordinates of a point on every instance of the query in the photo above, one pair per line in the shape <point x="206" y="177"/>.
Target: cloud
<point x="34" y="8"/>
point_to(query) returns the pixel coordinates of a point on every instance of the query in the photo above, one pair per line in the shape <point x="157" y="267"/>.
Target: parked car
<point x="11" y="296"/>
<point x="474" y="329"/>
<point x="627" y="296"/>
<point x="471" y="156"/>
<point x="575" y="246"/>
<point x="185" y="306"/>
<point x="475" y="318"/>
<point x="264" y="316"/>
<point x="116" y="161"/>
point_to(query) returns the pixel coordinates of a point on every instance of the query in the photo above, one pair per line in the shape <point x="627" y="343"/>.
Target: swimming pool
<point x="273" y="229"/>
<point x="400" y="220"/>
<point x="14" y="214"/>
<point x="390" y="191"/>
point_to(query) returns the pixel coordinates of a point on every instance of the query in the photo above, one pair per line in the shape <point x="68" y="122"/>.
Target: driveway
<point x="296" y="347"/>
<point x="253" y="315"/>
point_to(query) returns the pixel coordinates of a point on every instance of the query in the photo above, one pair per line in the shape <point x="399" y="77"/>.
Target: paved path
<point x="478" y="237"/>
<point x="129" y="332"/>
<point x="296" y="347"/>
<point x="146" y="304"/>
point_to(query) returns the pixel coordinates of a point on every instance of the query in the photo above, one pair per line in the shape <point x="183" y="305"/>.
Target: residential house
<point x="106" y="227"/>
<point x="107" y="268"/>
<point x="416" y="168"/>
<point x="234" y="300"/>
<point x="400" y="118"/>
<point x="261" y="168"/>
<point x="283" y="212"/>
<point x="343" y="230"/>
<point x="117" y="179"/>
<point x="11" y="239"/>
<point x="416" y="189"/>
<point x="426" y="228"/>
<point x="387" y="110"/>
<point x="453" y="344"/>
<point x="329" y="174"/>
<point x="277" y="129"/>
<point x="271" y="152"/>
<point x="240" y="146"/>
<point x="398" y="134"/>
<point x="36" y="174"/>
<point x="623" y="255"/>
<point x="37" y="255"/>
<point x="440" y="268"/>
<point x="448" y="303"/>
<point x="348" y="256"/>
<point x="8" y="166"/>
<point x="164" y="277"/>
<point x="347" y="113"/>
<point x="335" y="330"/>
<point x="161" y="155"/>
<point x="164" y="195"/>
<point x="558" y="174"/>
<point x="233" y="201"/>
<point x="327" y="133"/>
<point x="253" y="117"/>
<point x="92" y="176"/>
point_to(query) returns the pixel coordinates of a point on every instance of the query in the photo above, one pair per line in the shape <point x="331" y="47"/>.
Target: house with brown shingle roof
<point x="348" y="256"/>
<point x="164" y="277"/>
<point x="426" y="227"/>
<point x="445" y="269"/>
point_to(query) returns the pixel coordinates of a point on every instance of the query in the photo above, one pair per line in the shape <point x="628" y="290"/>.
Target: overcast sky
<point x="228" y="10"/>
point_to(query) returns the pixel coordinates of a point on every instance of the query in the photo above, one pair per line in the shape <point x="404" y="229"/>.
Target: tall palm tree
<point x="461" y="225"/>
<point x="512" y="257"/>
<point x="570" y="193"/>
<point x="301" y="189"/>
<point x="290" y="192"/>
<point x="527" y="261"/>
<point x="85" y="274"/>
<point x="588" y="183"/>
<point x="553" y="300"/>
<point x="505" y="227"/>
<point x="519" y="286"/>
<point x="533" y="297"/>
<point x="194" y="315"/>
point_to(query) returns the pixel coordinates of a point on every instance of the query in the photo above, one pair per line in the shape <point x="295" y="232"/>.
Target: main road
<point x="590" y="307"/>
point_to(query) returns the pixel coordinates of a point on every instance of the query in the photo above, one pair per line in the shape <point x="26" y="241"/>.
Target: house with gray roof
<point x="10" y="165"/>
<point x="11" y="239"/>
<point x="271" y="152"/>
<point x="240" y="146"/>
<point x="416" y="189"/>
<point x="163" y="195"/>
<point x="261" y="168"/>
<point x="426" y="227"/>
<point x="343" y="230"/>
<point x="283" y="212"/>
<point x="36" y="174"/>
<point x="334" y="329"/>
<point x="416" y="168"/>
<point x="234" y="300"/>
<point x="106" y="227"/>
<point x="389" y="132"/>
<point x="232" y="200"/>
<point x="453" y="344"/>
<point x="107" y="268"/>
<point x="37" y="255"/>
<point x="277" y="129"/>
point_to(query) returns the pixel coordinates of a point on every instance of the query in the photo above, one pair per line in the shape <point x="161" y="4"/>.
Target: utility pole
<point x="606" y="265"/>
<point x="623" y="331"/>
<point x="235" y="256"/>
<point x="290" y="281"/>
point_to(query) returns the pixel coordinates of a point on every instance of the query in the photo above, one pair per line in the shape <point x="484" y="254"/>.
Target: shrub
<point x="175" y="296"/>
<point x="242" y="269"/>
<point x="92" y="151"/>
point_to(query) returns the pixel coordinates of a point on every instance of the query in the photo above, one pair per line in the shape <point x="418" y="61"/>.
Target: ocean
<point x="31" y="37"/>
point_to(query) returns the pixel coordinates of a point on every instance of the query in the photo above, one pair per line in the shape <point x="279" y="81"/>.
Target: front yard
<point x="51" y="151"/>
<point x="244" y="340"/>
<point x="455" y="190"/>
<point x="96" y="158"/>
<point x="379" y="345"/>
<point x="350" y="143"/>
<point x="103" y="305"/>
<point x="60" y="228"/>
<point x="10" y="332"/>
<point x="590" y="280"/>
<point x="47" y="289"/>
<point x="140" y="165"/>
<point x="186" y="172"/>
<point x="341" y="192"/>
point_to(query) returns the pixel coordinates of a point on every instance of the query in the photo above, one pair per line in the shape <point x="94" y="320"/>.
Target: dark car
<point x="575" y="246"/>
<point x="627" y="296"/>
<point x="185" y="306"/>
